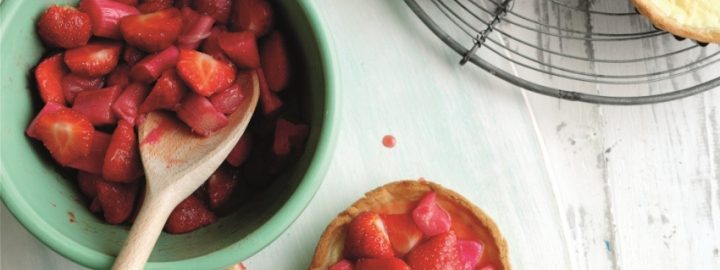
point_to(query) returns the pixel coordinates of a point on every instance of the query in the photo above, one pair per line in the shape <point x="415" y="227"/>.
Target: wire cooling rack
<point x="599" y="51"/>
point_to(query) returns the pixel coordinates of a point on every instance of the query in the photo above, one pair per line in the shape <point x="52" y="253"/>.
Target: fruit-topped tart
<point x="412" y="225"/>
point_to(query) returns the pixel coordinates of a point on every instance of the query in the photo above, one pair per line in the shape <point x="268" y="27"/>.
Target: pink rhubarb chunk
<point x="202" y="117"/>
<point x="96" y="105"/>
<point x="105" y="16"/>
<point x="470" y="253"/>
<point x="48" y="108"/>
<point x="430" y="218"/>
<point x="241" y="151"/>
<point x="93" y="162"/>
<point x="196" y="28"/>
<point x="342" y="265"/>
<point x="150" y="68"/>
<point x="128" y="104"/>
<point x="269" y="102"/>
<point x="288" y="135"/>
<point x="73" y="84"/>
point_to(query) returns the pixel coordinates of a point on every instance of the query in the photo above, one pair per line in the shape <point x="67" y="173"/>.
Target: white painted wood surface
<point x="572" y="186"/>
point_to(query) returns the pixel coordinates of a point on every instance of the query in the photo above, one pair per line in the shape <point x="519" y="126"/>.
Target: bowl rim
<point x="231" y="254"/>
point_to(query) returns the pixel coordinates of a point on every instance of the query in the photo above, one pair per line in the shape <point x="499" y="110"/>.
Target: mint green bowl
<point x="43" y="200"/>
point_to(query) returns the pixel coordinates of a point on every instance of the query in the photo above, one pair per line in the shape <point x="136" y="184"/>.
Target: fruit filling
<point x="111" y="62"/>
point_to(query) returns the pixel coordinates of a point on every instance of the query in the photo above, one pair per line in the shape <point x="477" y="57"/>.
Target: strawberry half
<point x="437" y="253"/>
<point x="342" y="265"/>
<point x="149" y="6"/>
<point x="64" y="27"/>
<point x="218" y="9"/>
<point x="87" y="183"/>
<point x="167" y="93"/>
<point x="48" y="108"/>
<point x="49" y="74"/>
<point x="275" y="62"/>
<point x="241" y="151"/>
<point x="96" y="105"/>
<point x="66" y="133"/>
<point x="105" y="16"/>
<point x="241" y="48"/>
<point x="73" y="84"/>
<point x="430" y="217"/>
<point x="196" y="28"/>
<point x="288" y="136"/>
<point x="197" y="112"/>
<point x="152" y="32"/>
<point x="127" y="105"/>
<point x="122" y="159"/>
<point x="152" y="66"/>
<point x="116" y="200"/>
<point x="94" y="59"/>
<point x="230" y="99"/>
<point x="93" y="162"/>
<point x="403" y="233"/>
<point x="189" y="215"/>
<point x="252" y="15"/>
<point x="381" y="263"/>
<point x="204" y="74"/>
<point x="211" y="45"/>
<point x="367" y="238"/>
<point x="269" y="101"/>
<point x="220" y="186"/>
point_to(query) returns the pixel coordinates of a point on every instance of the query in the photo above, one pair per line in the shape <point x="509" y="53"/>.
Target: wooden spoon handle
<point x="143" y="235"/>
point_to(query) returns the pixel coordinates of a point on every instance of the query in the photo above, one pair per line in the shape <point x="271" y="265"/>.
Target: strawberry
<point x="132" y="55"/>
<point x="469" y="253"/>
<point x="381" y="263"/>
<point x="150" y="67"/>
<point x="127" y="105"/>
<point x="87" y="183"/>
<point x="230" y="99"/>
<point x="189" y="215"/>
<point x="220" y="186"/>
<point x="152" y="32"/>
<point x="49" y="74"/>
<point x="270" y="102"/>
<point x="120" y="76"/>
<point x="218" y="9"/>
<point x="149" y="6"/>
<point x="437" y="253"/>
<point x="241" y="151"/>
<point x="342" y="265"/>
<point x="211" y="45"/>
<point x="66" y="133"/>
<point x="403" y="233"/>
<point x="166" y="94"/>
<point x="252" y="15"/>
<point x="198" y="113"/>
<point x="204" y="74"/>
<point x="73" y="84"/>
<point x="122" y="160"/>
<point x="94" y="59"/>
<point x="96" y="105"/>
<point x="488" y="267"/>
<point x="64" y="27"/>
<point x="93" y="162"/>
<point x="116" y="200"/>
<point x="288" y="136"/>
<point x="48" y="108"/>
<point x="275" y="62"/>
<point x="367" y="238"/>
<point x="241" y="48"/>
<point x="105" y="16"/>
<point x="196" y="28"/>
<point x="430" y="217"/>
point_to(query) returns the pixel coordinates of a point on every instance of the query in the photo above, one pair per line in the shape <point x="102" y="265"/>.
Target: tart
<point x="409" y="226"/>
<point x="694" y="19"/>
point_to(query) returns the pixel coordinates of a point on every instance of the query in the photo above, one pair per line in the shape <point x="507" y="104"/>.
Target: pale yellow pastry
<point x="694" y="19"/>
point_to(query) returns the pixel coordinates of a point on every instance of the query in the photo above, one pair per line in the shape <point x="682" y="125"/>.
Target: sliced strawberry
<point x="288" y="136"/>
<point x="252" y="15"/>
<point x="270" y="102"/>
<point x="64" y="27"/>
<point x="128" y="2"/>
<point x="220" y="186"/>
<point x="430" y="217"/>
<point x="241" y="48"/>
<point x="150" y="68"/>
<point x="73" y="84"/>
<point x="149" y="6"/>
<point x="342" y="265"/>
<point x="94" y="59"/>
<point x="116" y="200"/>
<point x="230" y="99"/>
<point x="191" y="214"/>
<point x="122" y="160"/>
<point x="120" y="76"/>
<point x="211" y="44"/>
<point x="132" y="55"/>
<point x="49" y="74"/>
<point x="469" y="253"/>
<point x="202" y="117"/>
<point x="241" y="151"/>
<point x="88" y="183"/>
<point x="438" y="252"/>
<point x="367" y="238"/>
<point x="93" y="162"/>
<point x="96" y="105"/>
<point x="48" y="108"/>
<point x="127" y="105"/>
<point x="381" y="263"/>
<point x="66" y="133"/>
<point x="167" y="93"/>
<point x="204" y="74"/>
<point x="105" y="16"/>
<point x="196" y="28"/>
<point x="95" y="206"/>
<point x="218" y="9"/>
<point x="403" y="233"/>
<point x="152" y="32"/>
<point x="275" y="62"/>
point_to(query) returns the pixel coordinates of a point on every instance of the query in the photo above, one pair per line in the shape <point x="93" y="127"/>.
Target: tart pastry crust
<point x="660" y="19"/>
<point x="401" y="197"/>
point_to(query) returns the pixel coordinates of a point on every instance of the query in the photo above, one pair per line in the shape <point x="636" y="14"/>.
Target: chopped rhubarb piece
<point x="381" y="263"/>
<point x="116" y="200"/>
<point x="150" y="68"/>
<point x="252" y="15"/>
<point x="241" y="48"/>
<point x="430" y="217"/>
<point x="488" y="267"/>
<point x="218" y="9"/>
<point x="49" y="74"/>
<point x="270" y="102"/>
<point x="132" y="55"/>
<point x="196" y="29"/>
<point x="128" y="2"/>
<point x="220" y="186"/>
<point x="127" y="105"/>
<point x="202" y="117"/>
<point x="64" y="27"/>
<point x="120" y="76"/>
<point x="122" y="160"/>
<point x="366" y="238"/>
<point x="67" y="134"/>
<point x="152" y="32"/>
<point x="241" y="151"/>
<point x="94" y="59"/>
<point x="403" y="232"/>
<point x="48" y="108"/>
<point x="204" y="74"/>
<point x="275" y="62"/>
<point x="438" y="252"/>
<point x="288" y="136"/>
<point x="96" y="105"/>
<point x="470" y="253"/>
<point x="167" y="93"/>
<point x="105" y="16"/>
<point x="189" y="215"/>
<point x="73" y="84"/>
<point x="87" y="183"/>
<point x="93" y="162"/>
<point x="230" y="99"/>
<point x="211" y="44"/>
<point x="342" y="265"/>
<point x="149" y="6"/>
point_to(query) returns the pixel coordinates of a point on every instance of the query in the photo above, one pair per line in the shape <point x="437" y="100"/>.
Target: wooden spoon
<point x="176" y="163"/>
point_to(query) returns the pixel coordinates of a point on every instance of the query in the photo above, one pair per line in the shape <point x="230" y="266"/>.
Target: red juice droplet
<point x="388" y="141"/>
